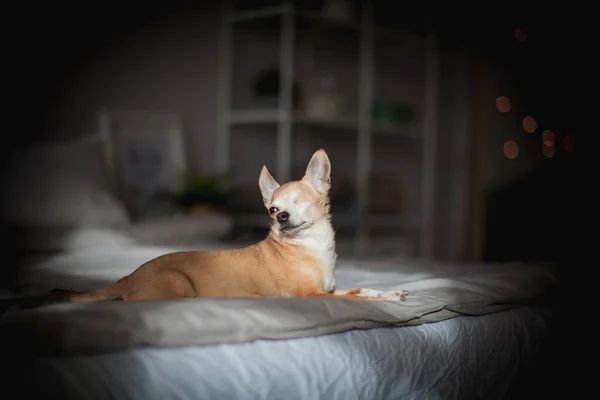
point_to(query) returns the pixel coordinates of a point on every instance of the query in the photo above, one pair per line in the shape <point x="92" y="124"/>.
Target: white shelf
<point x="275" y="11"/>
<point x="366" y="132"/>
<point x="258" y="116"/>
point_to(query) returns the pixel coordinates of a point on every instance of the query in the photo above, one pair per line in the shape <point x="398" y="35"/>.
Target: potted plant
<point x="202" y="194"/>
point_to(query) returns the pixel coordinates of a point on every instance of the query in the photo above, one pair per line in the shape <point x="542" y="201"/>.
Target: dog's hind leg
<point x="170" y="284"/>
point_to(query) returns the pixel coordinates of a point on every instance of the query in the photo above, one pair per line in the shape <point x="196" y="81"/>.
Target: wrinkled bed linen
<point x="438" y="291"/>
<point x="460" y="358"/>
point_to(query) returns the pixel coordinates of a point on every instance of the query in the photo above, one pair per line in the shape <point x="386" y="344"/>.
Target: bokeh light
<point x="511" y="149"/>
<point x="548" y="151"/>
<point x="520" y="35"/>
<point x="529" y="124"/>
<point x="503" y="104"/>
<point x="548" y="138"/>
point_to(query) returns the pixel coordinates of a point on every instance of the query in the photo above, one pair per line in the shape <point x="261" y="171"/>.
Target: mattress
<point x="460" y="334"/>
<point x="460" y="358"/>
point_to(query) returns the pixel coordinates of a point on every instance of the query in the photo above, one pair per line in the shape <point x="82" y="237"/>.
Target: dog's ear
<point x="267" y="185"/>
<point x="318" y="172"/>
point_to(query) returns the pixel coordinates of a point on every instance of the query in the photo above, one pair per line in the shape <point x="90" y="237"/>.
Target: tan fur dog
<point x="297" y="258"/>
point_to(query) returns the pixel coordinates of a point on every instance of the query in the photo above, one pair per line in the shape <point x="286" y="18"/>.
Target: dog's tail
<point x="108" y="293"/>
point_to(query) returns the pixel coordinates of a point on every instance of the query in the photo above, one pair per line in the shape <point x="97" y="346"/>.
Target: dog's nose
<point x="283" y="217"/>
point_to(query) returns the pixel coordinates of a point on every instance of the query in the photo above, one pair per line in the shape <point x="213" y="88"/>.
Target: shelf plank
<point x="411" y="132"/>
<point x="259" y="13"/>
<point x="273" y="11"/>
<point x="337" y="123"/>
<point x="269" y="116"/>
<point x="273" y="116"/>
<point x="316" y="17"/>
<point x="254" y="116"/>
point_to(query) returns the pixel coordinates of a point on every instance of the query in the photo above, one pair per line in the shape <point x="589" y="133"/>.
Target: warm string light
<point x="529" y="124"/>
<point x="503" y="104"/>
<point x="520" y="35"/>
<point x="548" y="138"/>
<point x="548" y="151"/>
<point x="511" y="149"/>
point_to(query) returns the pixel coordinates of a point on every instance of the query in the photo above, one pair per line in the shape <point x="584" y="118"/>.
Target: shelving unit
<point x="355" y="144"/>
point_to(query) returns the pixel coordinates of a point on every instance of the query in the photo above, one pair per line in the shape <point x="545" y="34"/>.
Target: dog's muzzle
<point x="283" y="218"/>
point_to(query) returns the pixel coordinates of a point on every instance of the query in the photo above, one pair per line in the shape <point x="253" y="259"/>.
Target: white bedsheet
<point x="221" y="348"/>
<point x="437" y="291"/>
<point x="461" y="358"/>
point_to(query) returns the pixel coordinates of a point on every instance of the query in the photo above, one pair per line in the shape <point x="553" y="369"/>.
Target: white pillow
<point x="53" y="239"/>
<point x="63" y="200"/>
<point x="62" y="184"/>
<point x="58" y="189"/>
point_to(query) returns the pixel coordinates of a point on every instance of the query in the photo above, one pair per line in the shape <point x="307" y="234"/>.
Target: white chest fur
<point x="320" y="240"/>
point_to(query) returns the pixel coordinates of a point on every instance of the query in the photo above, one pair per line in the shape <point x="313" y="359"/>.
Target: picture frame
<point x="145" y="156"/>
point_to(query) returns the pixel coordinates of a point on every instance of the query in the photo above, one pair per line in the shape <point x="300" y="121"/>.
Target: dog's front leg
<point x="367" y="294"/>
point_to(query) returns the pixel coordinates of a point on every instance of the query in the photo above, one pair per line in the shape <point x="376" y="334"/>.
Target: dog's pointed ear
<point x="318" y="172"/>
<point x="267" y="185"/>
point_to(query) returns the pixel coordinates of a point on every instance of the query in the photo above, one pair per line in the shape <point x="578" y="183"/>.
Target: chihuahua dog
<point x="297" y="258"/>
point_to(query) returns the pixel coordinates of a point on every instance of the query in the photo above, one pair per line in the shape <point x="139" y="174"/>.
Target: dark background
<point x="553" y="71"/>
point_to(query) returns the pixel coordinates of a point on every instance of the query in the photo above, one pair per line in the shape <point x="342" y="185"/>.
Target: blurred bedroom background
<point x="152" y="125"/>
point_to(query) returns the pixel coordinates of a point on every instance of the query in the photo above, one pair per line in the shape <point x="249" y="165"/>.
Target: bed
<point x="466" y="331"/>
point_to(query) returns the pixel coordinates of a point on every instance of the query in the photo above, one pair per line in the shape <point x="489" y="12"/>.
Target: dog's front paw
<point x="392" y="295"/>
